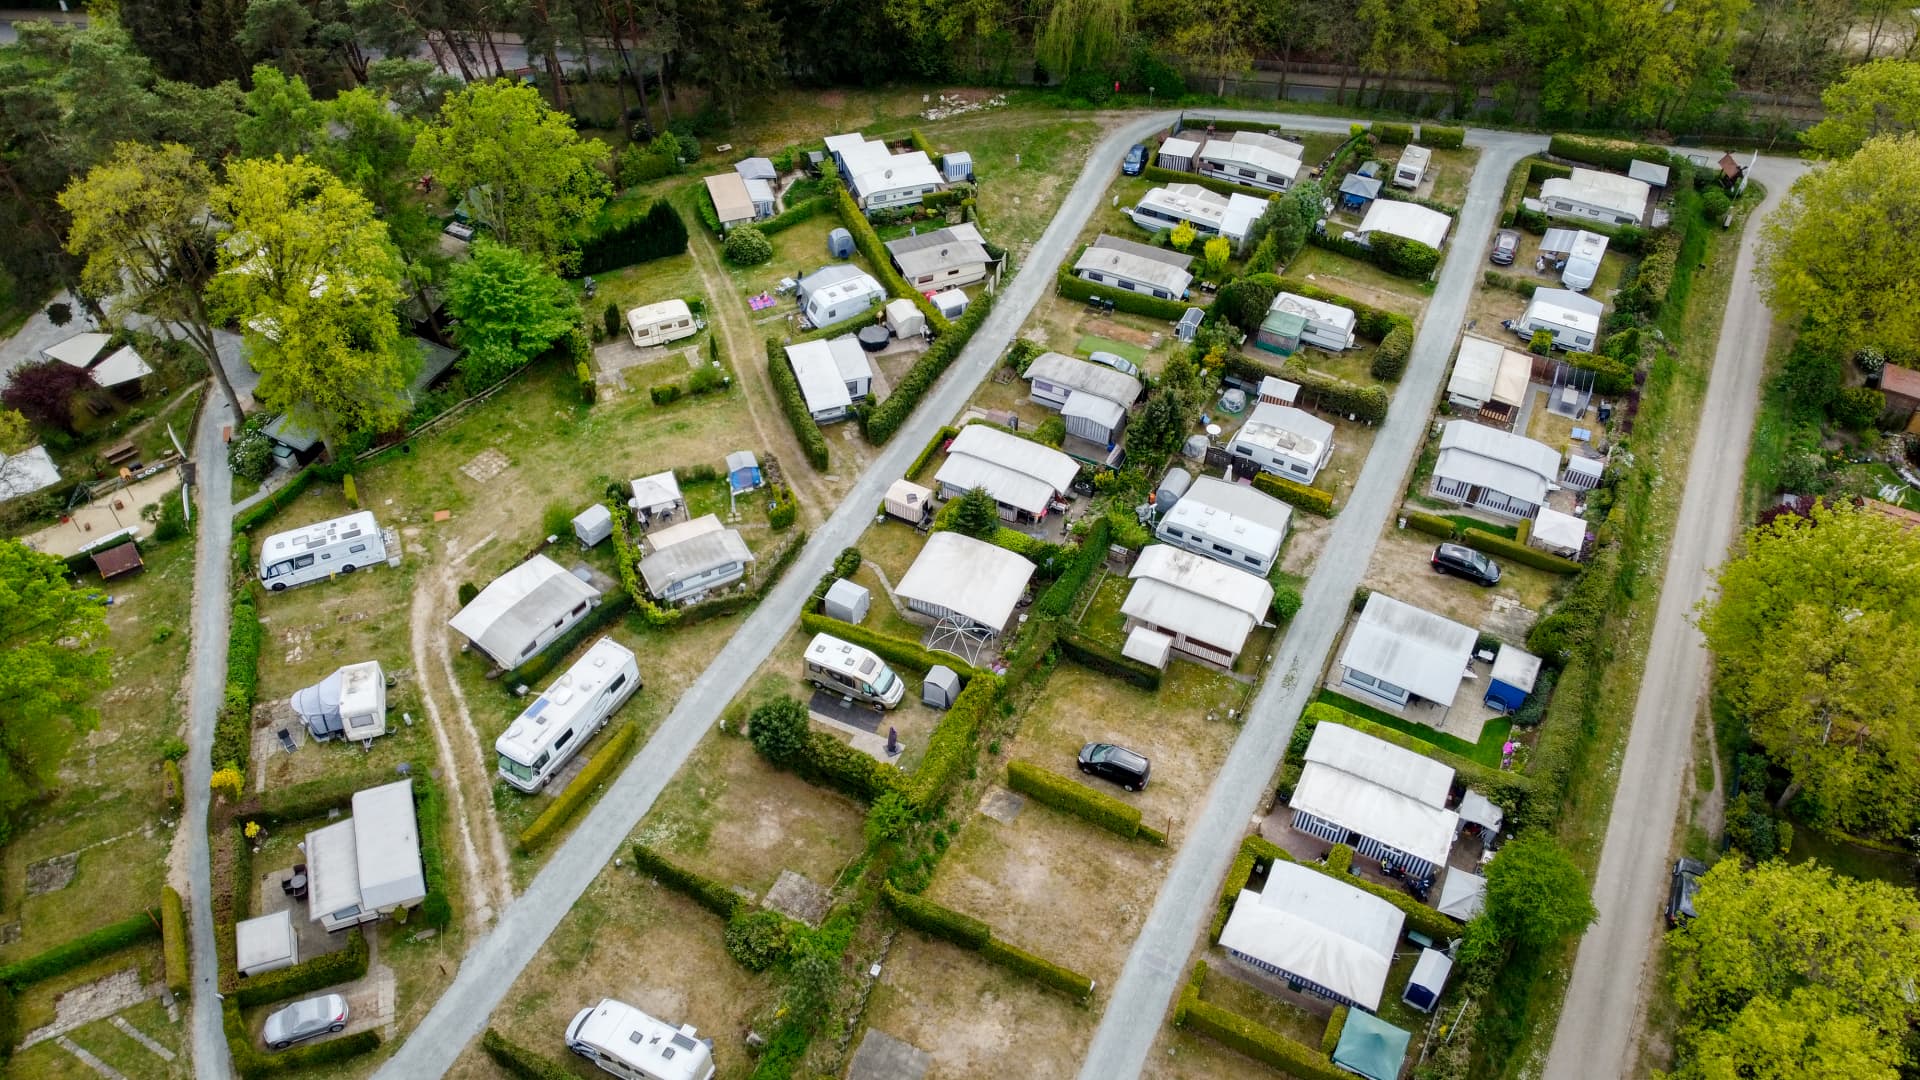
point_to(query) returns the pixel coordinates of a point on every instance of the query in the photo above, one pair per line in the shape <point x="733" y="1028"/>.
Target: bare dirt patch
<point x="1402" y="567"/>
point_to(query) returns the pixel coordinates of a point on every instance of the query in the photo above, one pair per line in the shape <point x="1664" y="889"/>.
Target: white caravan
<point x="566" y="714"/>
<point x="846" y="668"/>
<point x="626" y="1042"/>
<point x="321" y="550"/>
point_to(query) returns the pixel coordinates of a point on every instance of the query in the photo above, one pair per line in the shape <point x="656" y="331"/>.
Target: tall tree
<point x="369" y="146"/>
<point x="524" y="172"/>
<point x="1083" y="35"/>
<point x="1536" y="897"/>
<point x="508" y="308"/>
<point x="1218" y="38"/>
<point x="1816" y="635"/>
<point x="1874" y="99"/>
<point x="281" y="116"/>
<point x="310" y="275"/>
<point x="730" y="47"/>
<point x="45" y="391"/>
<point x="141" y="223"/>
<point x="416" y="86"/>
<point x="1794" y="971"/>
<point x="1835" y="250"/>
<point x="53" y="659"/>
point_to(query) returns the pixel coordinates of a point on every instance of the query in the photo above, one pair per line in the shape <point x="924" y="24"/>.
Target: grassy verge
<point x="1486" y="751"/>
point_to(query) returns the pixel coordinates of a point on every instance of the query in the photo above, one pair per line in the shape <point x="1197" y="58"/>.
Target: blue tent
<point x="1371" y="1047"/>
<point x="743" y="471"/>
<point x="1514" y="673"/>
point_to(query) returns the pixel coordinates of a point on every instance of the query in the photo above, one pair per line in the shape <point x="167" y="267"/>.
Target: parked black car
<point x="1136" y="160"/>
<point x="1686" y="882"/>
<point x="1115" y="763"/>
<point x="1465" y="562"/>
<point x="1505" y="244"/>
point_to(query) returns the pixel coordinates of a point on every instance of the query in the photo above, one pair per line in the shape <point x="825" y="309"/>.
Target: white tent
<point x="1405" y="219"/>
<point x="956" y="575"/>
<point x="1389" y="795"/>
<point x="1462" y="894"/>
<point x="657" y="494"/>
<point x="592" y="525"/>
<point x="78" y="350"/>
<point x="1478" y="809"/>
<point x="905" y="319"/>
<point x="1428" y="980"/>
<point x="1561" y="534"/>
<point x="265" y="944"/>
<point x="1307" y="926"/>
<point x="26" y="472"/>
<point x="122" y="366"/>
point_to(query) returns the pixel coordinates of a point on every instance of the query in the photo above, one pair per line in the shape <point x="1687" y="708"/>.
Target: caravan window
<point x="1250" y="560"/>
<point x="302" y="562"/>
<point x="614" y="686"/>
<point x="357" y="548"/>
<point x="563" y="740"/>
<point x="541" y="761"/>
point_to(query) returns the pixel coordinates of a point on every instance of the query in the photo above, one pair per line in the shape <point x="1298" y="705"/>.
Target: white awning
<point x="1478" y="809"/>
<point x="980" y="581"/>
<point x="1377" y="761"/>
<point x="1556" y="531"/>
<point x="387" y="846"/>
<point x="332" y="871"/>
<point x="1405" y="219"/>
<point x="1319" y="928"/>
<point x="1085" y="406"/>
<point x="1150" y="647"/>
<point x="661" y="491"/>
<point x="1462" y="894"/>
<point x="512" y="611"/>
<point x="123" y="365"/>
<point x="78" y="350"/>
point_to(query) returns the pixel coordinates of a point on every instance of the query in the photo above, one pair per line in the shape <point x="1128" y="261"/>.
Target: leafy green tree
<point x="1857" y="407"/>
<point x="1881" y="97"/>
<point x="889" y="818"/>
<point x="1157" y="430"/>
<point x="368" y="145"/>
<point x="308" y="272"/>
<point x="418" y="87"/>
<point x="507" y="308"/>
<point x="1794" y="971"/>
<point x="779" y="730"/>
<point x="747" y="246"/>
<point x="1811" y="377"/>
<point x="1830" y="253"/>
<point x="1083" y="35"/>
<point x="1814" y="634"/>
<point x="141" y="223"/>
<point x="53" y="659"/>
<point x="1244" y="302"/>
<point x="521" y="169"/>
<point x="1182" y="236"/>
<point x="1215" y="256"/>
<point x="1292" y="217"/>
<point x="281" y="116"/>
<point x="1536" y="897"/>
<point x="976" y="514"/>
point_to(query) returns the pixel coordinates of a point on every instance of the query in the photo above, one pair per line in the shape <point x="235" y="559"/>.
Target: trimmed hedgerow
<point x="1441" y="137"/>
<point x="1253" y="849"/>
<point x="879" y="423"/>
<point x="520" y="1062"/>
<point x="233" y="728"/>
<point x="250" y="1062"/>
<point x="275" y="502"/>
<point x="942" y="922"/>
<point x="699" y="888"/>
<point x="1311" y="499"/>
<point x="933" y="447"/>
<point x="308" y="975"/>
<point x="1057" y="601"/>
<point x="173" y="940"/>
<point x="1039" y="969"/>
<point x="610" y="608"/>
<point x="829" y="762"/>
<point x="430" y="807"/>
<point x="1392" y="134"/>
<point x="893" y="650"/>
<point x="1390" y="359"/>
<point x="1615" y="154"/>
<point x="794" y="405"/>
<point x="1431" y="524"/>
<point x="794" y="214"/>
<point x="1518" y="552"/>
<point x="1339" y="858"/>
<point x="1611" y="375"/>
<point x="881" y="261"/>
<point x="596" y="772"/>
<point x="1336" y="1023"/>
<point x="1069" y="796"/>
<point x="1260" y="1042"/>
<point x="70" y="954"/>
<point x="1190" y="992"/>
<point x="1076" y="288"/>
<point x="950" y="748"/>
<point x="1089" y="653"/>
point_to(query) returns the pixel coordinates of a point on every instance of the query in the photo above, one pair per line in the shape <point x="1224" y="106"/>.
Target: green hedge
<point x="1336" y="1023"/>
<point x="1611" y="376"/>
<point x="1076" y="288"/>
<point x="919" y="142"/>
<point x="950" y="749"/>
<point x="1431" y="524"/>
<point x="1441" y="137"/>
<point x="173" y="941"/>
<point x="1211" y="183"/>
<point x="869" y="244"/>
<point x="429" y="805"/>
<point x="935" y="920"/>
<point x="584" y="786"/>
<point x="1615" y="154"/>
<point x="787" y="389"/>
<point x="1311" y="499"/>
<point x="795" y="214"/>
<point x="233" y="728"/>
<point x="1257" y="848"/>
<point x="534" y="668"/>
<point x="88" y="947"/>
<point x="1369" y="322"/>
<point x="330" y="969"/>
<point x="1403" y="257"/>
<point x="518" y="1061"/>
<point x="1260" y="1043"/>
<point x="1390" y="360"/>
<point x="879" y="423"/>
<point x="1392" y="134"/>
<point x="1518" y="552"/>
<point x="702" y="890"/>
<point x="835" y="764"/>
<point x="298" y="802"/>
<point x="1339" y="858"/>
<point x="898" y="651"/>
<point x="1107" y="660"/>
<point x="9" y="1023"/>
<point x="1070" y="796"/>
<point x="1367" y="404"/>
<point x="250" y="1062"/>
<point x="276" y="501"/>
<point x="1057" y="601"/>
<point x="1039" y="969"/>
<point x="933" y="447"/>
<point x="1189" y="993"/>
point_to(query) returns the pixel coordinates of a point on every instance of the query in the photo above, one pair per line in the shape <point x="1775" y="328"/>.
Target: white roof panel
<point x="1150" y="647"/>
<point x="1134" y="267"/>
<point x="1313" y="310"/>
<point x="1107" y="414"/>
<point x="1251" y="155"/>
<point x="26" y="472"/>
<point x="387" y="846"/>
<point x="981" y="581"/>
<point x="517" y="605"/>
<point x="1488" y="457"/>
<point x="1086" y="376"/>
<point x="1423" y="831"/>
<point x="1647" y="172"/>
<point x="1195" y="596"/>
<point x="1240" y="500"/>
<point x="265" y="940"/>
<point x="1558" y="530"/>
<point x="1410" y="648"/>
<point x="78" y="350"/>
<point x="123" y="365"/>
<point x="1516" y="667"/>
<point x="657" y="492"/>
<point x="1377" y="761"/>
<point x="1319" y="928"/>
<point x="849" y="359"/>
<point x="1007" y="457"/>
<point x="1481" y="811"/>
<point x="1411" y="220"/>
<point x="818" y="376"/>
<point x="1476" y="368"/>
<point x="690" y="548"/>
<point x="333" y="873"/>
<point x="1611" y="191"/>
<point x="1462" y="894"/>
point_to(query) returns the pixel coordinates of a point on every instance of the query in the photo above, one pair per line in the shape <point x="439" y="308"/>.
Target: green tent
<point x="1371" y="1047"/>
<point x="1280" y="332"/>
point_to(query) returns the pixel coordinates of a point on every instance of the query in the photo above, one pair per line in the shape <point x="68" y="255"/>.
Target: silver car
<point x="305" y="1019"/>
<point x="1115" y="361"/>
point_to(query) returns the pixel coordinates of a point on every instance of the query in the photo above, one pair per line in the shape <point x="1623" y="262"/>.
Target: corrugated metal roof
<point x="512" y="610"/>
<point x="940" y="249"/>
<point x="1409" y="647"/>
<point x="1133" y="267"/>
<point x="1411" y="220"/>
<point x="979" y="580"/>
<point x="1085" y="376"/>
<point x="730" y="199"/>
<point x="819" y="377"/>
<point x="1195" y="596"/>
<point x="1380" y="762"/>
<point x="1085" y="406"/>
<point x="691" y="548"/>
<point x="1475" y="368"/>
<point x="1016" y="471"/>
<point x="1510" y="464"/>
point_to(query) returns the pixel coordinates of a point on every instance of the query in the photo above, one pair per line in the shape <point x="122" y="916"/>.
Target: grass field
<point x="1089" y="344"/>
<point x="1362" y="281"/>
<point x="1486" y="751"/>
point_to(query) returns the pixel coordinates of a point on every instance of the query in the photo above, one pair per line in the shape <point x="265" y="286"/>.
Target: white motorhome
<point x="321" y="550"/>
<point x="846" y="668"/>
<point x="566" y="714"/>
<point x="626" y="1042"/>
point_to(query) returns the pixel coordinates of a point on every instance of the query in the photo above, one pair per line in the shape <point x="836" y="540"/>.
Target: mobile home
<point x="566" y="714"/>
<point x="367" y="865"/>
<point x="837" y="293"/>
<point x="1574" y="320"/>
<point x="337" y="546"/>
<point x="1284" y="441"/>
<point x="1251" y="158"/>
<point x="657" y="324"/>
<point x="1608" y="198"/>
<point x="1209" y="212"/>
<point x="1412" y="166"/>
<point x="846" y="668"/>
<point x="628" y="1043"/>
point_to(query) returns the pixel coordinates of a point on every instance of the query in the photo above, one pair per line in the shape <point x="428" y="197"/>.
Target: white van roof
<point x="557" y="705"/>
<point x="655" y="1047"/>
<point x="845" y="657"/>
<point x="319" y="534"/>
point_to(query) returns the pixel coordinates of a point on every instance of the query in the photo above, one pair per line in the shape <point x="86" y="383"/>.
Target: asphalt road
<point x="209" y="659"/>
<point x="1156" y="965"/>
<point x="1601" y="1017"/>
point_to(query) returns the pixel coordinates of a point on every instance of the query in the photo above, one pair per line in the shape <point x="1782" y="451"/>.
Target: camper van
<point x="321" y="550"/>
<point x="657" y="324"/>
<point x="845" y="668"/>
<point x="566" y="714"/>
<point x="626" y="1042"/>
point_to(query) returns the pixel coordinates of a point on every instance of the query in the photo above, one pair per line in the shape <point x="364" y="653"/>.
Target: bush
<point x="879" y="423"/>
<point x="1392" y="134"/>
<point x="1856" y="408"/>
<point x="1339" y="859"/>
<point x="1072" y="797"/>
<point x="1614" y="154"/>
<point x="250" y="454"/>
<point x="1336" y="1023"/>
<point x="87" y="947"/>
<point x="787" y="389"/>
<point x="942" y="922"/>
<point x="1510" y="283"/>
<point x="1541" y="344"/>
<point x="778" y="730"/>
<point x="657" y="234"/>
<point x="1286" y="603"/>
<point x="1076" y="288"/>
<point x="706" y="379"/>
<point x="1714" y="204"/>
<point x="306" y="976"/>
<point x="746" y="246"/>
<point x="1100" y="657"/>
<point x="1039" y="969"/>
<point x="1311" y="499"/>
<point x="895" y="651"/>
<point x="702" y="890"/>
<point x="1244" y="302"/>
<point x="785" y="510"/>
<point x="175" y="788"/>
<point x="1057" y="601"/>
<point x="1052" y="431"/>
<point x="757" y="938"/>
<point x="1611" y="376"/>
<point x="1403" y="257"/>
<point x="666" y="394"/>
<point x="233" y="729"/>
<point x="1431" y="524"/>
<point x="1512" y="549"/>
<point x="1390" y="360"/>
<point x="795" y="213"/>
<point x="1440" y="137"/>
<point x="173" y="941"/>
<point x="430" y="808"/>
<point x="950" y="749"/>
<point x="596" y="772"/>
<point x="519" y="1062"/>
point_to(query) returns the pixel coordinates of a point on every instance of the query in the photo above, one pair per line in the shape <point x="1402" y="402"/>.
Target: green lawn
<point x="1017" y="201"/>
<point x="1360" y="281"/>
<point x="1486" y="751"/>
<point x="646" y="283"/>
<point x="1468" y="521"/>
<point x="1089" y="344"/>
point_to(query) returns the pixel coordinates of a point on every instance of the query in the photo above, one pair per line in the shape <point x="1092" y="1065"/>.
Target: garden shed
<point x="957" y="166"/>
<point x="941" y="687"/>
<point x="592" y="525"/>
<point x="265" y="944"/>
<point x="904" y="319"/>
<point x="119" y="559"/>
<point x="909" y="502"/>
<point x="1557" y="533"/>
<point x="1429" y="979"/>
<point x="1514" y="673"/>
<point x="847" y="602"/>
<point x="1189" y="324"/>
<point x="743" y="472"/>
